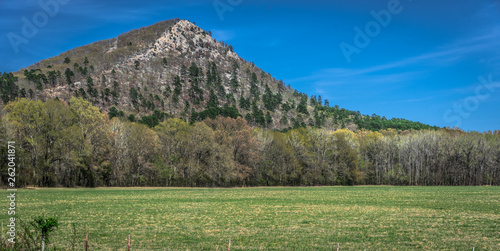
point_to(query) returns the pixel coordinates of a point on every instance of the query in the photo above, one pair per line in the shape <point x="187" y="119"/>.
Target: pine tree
<point x="258" y="115"/>
<point x="213" y="101"/>
<point x="302" y="106"/>
<point x="234" y="81"/>
<point x="254" y="92"/>
<point x="177" y="89"/>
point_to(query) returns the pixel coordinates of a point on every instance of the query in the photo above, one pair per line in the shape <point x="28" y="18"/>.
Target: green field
<point x="276" y="218"/>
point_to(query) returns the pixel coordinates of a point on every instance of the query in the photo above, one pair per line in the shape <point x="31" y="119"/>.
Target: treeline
<point x="372" y="123"/>
<point x="74" y="144"/>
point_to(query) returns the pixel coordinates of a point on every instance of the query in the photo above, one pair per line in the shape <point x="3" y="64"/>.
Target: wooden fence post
<point x="338" y="246"/>
<point x="229" y="247"/>
<point x="86" y="241"/>
<point x="129" y="242"/>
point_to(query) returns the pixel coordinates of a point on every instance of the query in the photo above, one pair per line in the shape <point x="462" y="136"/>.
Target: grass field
<point x="277" y="218"/>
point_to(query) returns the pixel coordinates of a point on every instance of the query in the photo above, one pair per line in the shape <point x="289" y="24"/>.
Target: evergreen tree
<point x="195" y="92"/>
<point x="234" y="81"/>
<point x="113" y="112"/>
<point x="187" y="107"/>
<point x="177" y="89"/>
<point x="258" y="115"/>
<point x="254" y="78"/>
<point x="213" y="101"/>
<point x="131" y="118"/>
<point x="249" y="117"/>
<point x="69" y="74"/>
<point x="302" y="106"/>
<point x="8" y="88"/>
<point x="254" y="93"/>
<point x="271" y="101"/>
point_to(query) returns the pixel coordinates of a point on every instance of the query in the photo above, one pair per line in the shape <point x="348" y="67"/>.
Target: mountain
<point x="176" y="69"/>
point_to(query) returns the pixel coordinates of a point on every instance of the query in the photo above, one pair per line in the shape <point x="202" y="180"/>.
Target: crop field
<point x="268" y="218"/>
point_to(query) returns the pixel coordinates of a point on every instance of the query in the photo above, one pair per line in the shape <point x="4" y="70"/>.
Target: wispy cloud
<point x="397" y="71"/>
<point x="333" y="77"/>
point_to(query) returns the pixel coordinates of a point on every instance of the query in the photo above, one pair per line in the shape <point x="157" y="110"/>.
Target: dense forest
<point x="73" y="143"/>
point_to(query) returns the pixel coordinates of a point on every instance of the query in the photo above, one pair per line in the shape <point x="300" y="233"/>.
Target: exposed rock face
<point x="185" y="37"/>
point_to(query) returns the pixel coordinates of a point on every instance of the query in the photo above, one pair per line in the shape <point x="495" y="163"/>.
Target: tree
<point x="254" y="78"/>
<point x="187" y="107"/>
<point x="286" y="107"/>
<point x="113" y="112"/>
<point x="46" y="131"/>
<point x="150" y="121"/>
<point x="278" y="164"/>
<point x="69" y="74"/>
<point x="134" y="149"/>
<point x="143" y="143"/>
<point x="174" y="137"/>
<point x="131" y="118"/>
<point x="8" y="88"/>
<point x="195" y="92"/>
<point x="271" y="101"/>
<point x="302" y="106"/>
<point x="134" y="94"/>
<point x="234" y="80"/>
<point x="94" y="131"/>
<point x="52" y="76"/>
<point x="194" y="71"/>
<point x="258" y="115"/>
<point x="244" y="103"/>
<point x="254" y="92"/>
<point x="213" y="101"/>
<point x="237" y="135"/>
<point x="45" y="226"/>
<point x="313" y="101"/>
<point x="177" y="89"/>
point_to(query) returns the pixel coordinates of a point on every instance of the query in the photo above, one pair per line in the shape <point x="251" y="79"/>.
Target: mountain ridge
<point x="176" y="69"/>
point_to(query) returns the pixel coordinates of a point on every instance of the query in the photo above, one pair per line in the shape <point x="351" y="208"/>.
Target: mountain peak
<point x="174" y="68"/>
<point x="185" y="37"/>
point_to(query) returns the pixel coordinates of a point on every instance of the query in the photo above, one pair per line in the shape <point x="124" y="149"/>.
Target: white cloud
<point x="445" y="56"/>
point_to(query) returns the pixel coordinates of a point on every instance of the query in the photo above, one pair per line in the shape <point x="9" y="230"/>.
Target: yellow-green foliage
<point x="76" y="145"/>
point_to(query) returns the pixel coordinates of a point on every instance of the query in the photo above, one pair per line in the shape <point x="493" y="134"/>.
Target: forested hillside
<point x="74" y="144"/>
<point x="176" y="69"/>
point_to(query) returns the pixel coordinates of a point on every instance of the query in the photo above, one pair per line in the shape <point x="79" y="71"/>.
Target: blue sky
<point x="434" y="61"/>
